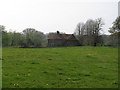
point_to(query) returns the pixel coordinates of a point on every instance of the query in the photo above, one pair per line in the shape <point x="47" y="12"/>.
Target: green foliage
<point x="34" y="38"/>
<point x="5" y="39"/>
<point x="115" y="32"/>
<point x="29" y="38"/>
<point x="2" y="28"/>
<point x="116" y="26"/>
<point x="69" y="67"/>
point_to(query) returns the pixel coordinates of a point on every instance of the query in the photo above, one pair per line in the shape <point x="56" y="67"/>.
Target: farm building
<point x="58" y="39"/>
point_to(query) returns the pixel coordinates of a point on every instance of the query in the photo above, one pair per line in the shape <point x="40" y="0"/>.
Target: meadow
<point x="63" y="67"/>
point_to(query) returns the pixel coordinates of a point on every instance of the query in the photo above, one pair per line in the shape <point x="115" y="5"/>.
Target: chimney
<point x="58" y="32"/>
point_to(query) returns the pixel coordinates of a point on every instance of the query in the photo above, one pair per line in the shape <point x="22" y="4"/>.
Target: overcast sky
<point x="52" y="15"/>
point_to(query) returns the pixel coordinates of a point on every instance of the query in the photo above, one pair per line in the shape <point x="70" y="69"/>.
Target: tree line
<point x="88" y="34"/>
<point x="28" y="38"/>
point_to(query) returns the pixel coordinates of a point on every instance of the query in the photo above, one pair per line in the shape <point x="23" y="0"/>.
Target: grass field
<point x="65" y="67"/>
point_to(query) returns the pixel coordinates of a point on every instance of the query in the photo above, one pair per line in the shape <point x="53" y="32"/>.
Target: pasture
<point x="63" y="67"/>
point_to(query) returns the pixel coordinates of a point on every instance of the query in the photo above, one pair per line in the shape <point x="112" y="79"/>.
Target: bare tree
<point x="98" y="28"/>
<point x="88" y="33"/>
<point x="80" y="28"/>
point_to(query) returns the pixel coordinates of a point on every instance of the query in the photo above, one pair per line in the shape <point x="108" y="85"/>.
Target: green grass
<point x="65" y="67"/>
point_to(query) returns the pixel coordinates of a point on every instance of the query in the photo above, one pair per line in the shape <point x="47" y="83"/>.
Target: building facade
<point x="55" y="40"/>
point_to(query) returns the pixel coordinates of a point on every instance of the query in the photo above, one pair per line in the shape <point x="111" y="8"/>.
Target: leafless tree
<point x="88" y="33"/>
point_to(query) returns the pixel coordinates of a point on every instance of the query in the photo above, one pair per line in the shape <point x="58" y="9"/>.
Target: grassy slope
<point x="69" y="67"/>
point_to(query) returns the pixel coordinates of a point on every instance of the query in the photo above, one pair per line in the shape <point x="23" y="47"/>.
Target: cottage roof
<point x="61" y="36"/>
